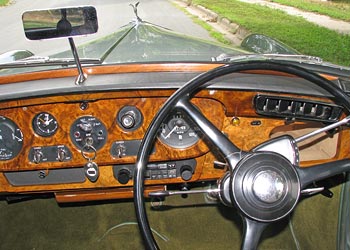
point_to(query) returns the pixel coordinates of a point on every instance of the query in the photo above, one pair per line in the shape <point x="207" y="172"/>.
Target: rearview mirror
<point x="65" y="22"/>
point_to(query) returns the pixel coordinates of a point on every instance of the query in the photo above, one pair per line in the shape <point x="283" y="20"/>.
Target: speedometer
<point x="11" y="139"/>
<point x="178" y="131"/>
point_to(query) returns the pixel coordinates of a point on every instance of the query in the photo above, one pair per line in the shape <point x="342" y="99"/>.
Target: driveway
<point x="112" y="14"/>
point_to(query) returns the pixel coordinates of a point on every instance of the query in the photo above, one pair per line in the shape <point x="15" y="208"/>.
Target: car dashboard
<point x="80" y="142"/>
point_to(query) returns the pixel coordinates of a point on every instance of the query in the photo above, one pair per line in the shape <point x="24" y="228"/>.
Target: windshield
<point x="151" y="31"/>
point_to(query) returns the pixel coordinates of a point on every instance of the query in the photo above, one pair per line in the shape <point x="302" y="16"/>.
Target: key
<point x="91" y="171"/>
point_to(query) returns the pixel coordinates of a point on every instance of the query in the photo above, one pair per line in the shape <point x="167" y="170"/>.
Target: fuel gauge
<point x="44" y="124"/>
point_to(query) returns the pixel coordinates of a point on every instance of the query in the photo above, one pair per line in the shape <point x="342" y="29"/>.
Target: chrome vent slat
<point x="294" y="108"/>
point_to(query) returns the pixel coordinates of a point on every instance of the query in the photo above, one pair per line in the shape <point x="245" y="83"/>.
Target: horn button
<point x="269" y="186"/>
<point x="264" y="186"/>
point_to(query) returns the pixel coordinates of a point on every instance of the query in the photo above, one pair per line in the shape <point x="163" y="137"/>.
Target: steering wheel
<point x="264" y="185"/>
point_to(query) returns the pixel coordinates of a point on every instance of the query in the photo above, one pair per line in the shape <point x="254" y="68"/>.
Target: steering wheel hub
<point x="265" y="186"/>
<point x="269" y="186"/>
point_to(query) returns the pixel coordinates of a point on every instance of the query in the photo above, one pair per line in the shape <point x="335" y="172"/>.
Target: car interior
<point x="172" y="155"/>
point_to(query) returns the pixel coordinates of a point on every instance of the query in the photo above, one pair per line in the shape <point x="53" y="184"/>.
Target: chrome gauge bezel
<point x="179" y="131"/>
<point x="45" y="124"/>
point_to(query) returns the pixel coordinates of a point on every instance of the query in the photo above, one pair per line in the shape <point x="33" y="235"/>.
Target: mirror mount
<point x="81" y="77"/>
<point x="60" y="23"/>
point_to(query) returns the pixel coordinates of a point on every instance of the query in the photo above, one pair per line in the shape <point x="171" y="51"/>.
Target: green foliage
<point x="298" y="33"/>
<point x="217" y="35"/>
<point x="4" y="2"/>
<point x="339" y="10"/>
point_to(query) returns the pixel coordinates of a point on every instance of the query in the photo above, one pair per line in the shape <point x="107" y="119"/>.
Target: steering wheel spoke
<point x="264" y="184"/>
<point x="322" y="171"/>
<point x="252" y="231"/>
<point x="230" y="151"/>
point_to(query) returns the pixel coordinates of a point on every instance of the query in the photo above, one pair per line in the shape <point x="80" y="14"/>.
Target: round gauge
<point x="178" y="131"/>
<point x="45" y="124"/>
<point x="11" y="139"/>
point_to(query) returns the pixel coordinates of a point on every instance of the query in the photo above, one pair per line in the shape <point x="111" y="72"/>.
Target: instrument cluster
<point x="89" y="134"/>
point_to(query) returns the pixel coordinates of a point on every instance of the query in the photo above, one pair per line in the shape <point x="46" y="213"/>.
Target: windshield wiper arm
<point x="36" y="61"/>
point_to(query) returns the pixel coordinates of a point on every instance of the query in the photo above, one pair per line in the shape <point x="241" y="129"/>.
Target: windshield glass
<point x="161" y="31"/>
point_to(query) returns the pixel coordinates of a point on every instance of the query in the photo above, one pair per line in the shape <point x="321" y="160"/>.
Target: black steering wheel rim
<point x="186" y="92"/>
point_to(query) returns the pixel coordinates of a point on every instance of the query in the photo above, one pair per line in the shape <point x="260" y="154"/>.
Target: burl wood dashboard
<point x="51" y="143"/>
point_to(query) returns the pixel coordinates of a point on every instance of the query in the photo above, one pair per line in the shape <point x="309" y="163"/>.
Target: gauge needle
<point x="48" y="122"/>
<point x="168" y="135"/>
<point x="16" y="137"/>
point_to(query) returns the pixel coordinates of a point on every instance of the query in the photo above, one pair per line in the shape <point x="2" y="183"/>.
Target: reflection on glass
<point x="53" y="23"/>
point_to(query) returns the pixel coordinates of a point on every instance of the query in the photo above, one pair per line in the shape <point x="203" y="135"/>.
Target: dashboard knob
<point x="128" y="120"/>
<point x="186" y="172"/>
<point x="124" y="176"/>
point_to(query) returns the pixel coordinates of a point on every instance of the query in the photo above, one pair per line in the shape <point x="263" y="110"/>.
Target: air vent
<point x="293" y="108"/>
